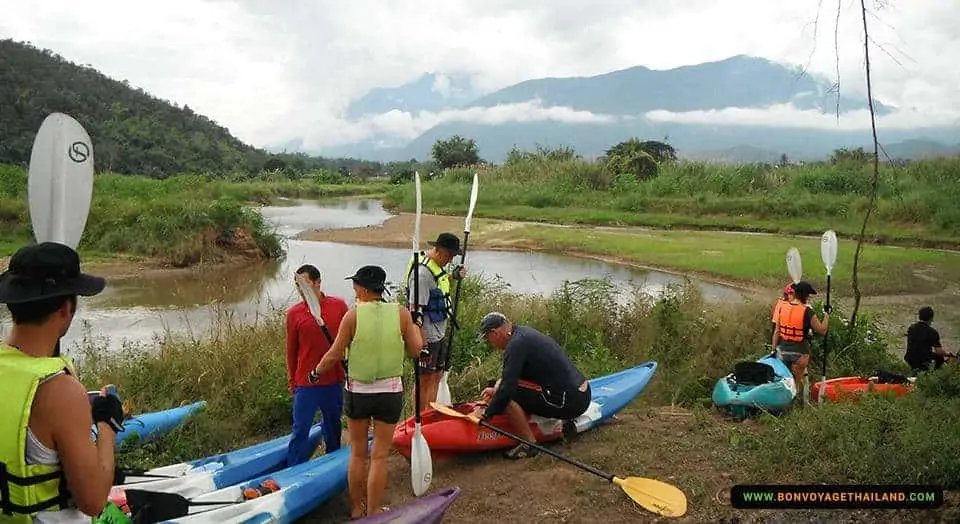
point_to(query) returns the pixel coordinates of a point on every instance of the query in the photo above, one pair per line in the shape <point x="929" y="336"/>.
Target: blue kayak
<point x="208" y="474"/>
<point x="303" y="488"/>
<point x="148" y="426"/>
<point x="766" y="384"/>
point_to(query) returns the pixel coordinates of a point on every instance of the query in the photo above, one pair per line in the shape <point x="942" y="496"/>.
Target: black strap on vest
<point x="7" y="478"/>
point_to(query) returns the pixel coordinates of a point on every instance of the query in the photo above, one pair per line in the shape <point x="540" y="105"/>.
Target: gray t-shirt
<point x="433" y="332"/>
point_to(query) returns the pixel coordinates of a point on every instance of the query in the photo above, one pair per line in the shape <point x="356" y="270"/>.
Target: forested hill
<point x="132" y="131"/>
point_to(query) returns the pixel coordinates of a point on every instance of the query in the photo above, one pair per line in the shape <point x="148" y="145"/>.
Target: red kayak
<point x="850" y="388"/>
<point x="448" y="436"/>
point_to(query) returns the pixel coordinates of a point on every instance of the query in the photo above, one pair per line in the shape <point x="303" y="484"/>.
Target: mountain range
<point x="592" y="113"/>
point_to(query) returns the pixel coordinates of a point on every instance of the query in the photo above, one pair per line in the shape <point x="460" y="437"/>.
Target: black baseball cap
<point x="490" y="321"/>
<point x="804" y="288"/>
<point x="46" y="270"/>
<point x="448" y="241"/>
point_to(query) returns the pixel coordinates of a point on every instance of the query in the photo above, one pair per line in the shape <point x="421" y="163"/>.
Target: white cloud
<point x="786" y="115"/>
<point x="402" y="124"/>
<point x="275" y="71"/>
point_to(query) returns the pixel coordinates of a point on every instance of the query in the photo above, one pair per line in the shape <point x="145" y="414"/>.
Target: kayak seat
<point x="753" y="373"/>
<point x="884" y="377"/>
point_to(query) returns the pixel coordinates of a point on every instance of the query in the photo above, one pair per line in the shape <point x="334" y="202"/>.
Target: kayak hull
<point x="149" y="426"/>
<point x="852" y="388"/>
<point x="215" y="472"/>
<point x="448" y="436"/>
<point x="425" y="510"/>
<point x="303" y="488"/>
<point x="742" y="399"/>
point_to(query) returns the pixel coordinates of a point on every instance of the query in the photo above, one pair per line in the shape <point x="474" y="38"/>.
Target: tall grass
<point x="916" y="201"/>
<point x="240" y="371"/>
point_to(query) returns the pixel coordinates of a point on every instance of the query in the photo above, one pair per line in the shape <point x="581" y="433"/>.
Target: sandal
<point x="520" y="452"/>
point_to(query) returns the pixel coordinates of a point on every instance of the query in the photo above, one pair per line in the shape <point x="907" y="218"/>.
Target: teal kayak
<point x="148" y="426"/>
<point x="766" y="384"/>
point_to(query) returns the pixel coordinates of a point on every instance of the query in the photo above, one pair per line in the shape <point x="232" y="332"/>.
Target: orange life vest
<point x="776" y="309"/>
<point x="790" y="318"/>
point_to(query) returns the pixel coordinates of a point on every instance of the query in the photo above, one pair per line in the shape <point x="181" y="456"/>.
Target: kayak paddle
<point x="653" y="495"/>
<point x="313" y="303"/>
<point x="794" y="264"/>
<point x="60" y="182"/>
<point x="795" y="268"/>
<point x="828" y="253"/>
<point x="421" y="463"/>
<point x="156" y="506"/>
<point x="443" y="392"/>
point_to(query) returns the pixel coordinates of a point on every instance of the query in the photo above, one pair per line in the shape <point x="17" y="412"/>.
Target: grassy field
<point x="916" y="203"/>
<point x="180" y="220"/>
<point x="694" y="342"/>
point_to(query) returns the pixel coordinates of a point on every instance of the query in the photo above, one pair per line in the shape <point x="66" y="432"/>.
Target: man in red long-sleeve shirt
<point x="306" y="345"/>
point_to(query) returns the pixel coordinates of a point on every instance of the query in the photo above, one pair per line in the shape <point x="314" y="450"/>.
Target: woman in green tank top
<point x="379" y="334"/>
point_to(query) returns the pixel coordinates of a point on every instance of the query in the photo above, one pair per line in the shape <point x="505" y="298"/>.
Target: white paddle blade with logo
<point x="473" y="203"/>
<point x="60" y="180"/>
<point x="421" y="463"/>
<point x="306" y="291"/>
<point x="828" y="250"/>
<point x="794" y="264"/>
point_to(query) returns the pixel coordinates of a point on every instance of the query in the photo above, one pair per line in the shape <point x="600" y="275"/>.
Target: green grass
<point x="180" y="220"/>
<point x="916" y="203"/>
<point x="755" y="258"/>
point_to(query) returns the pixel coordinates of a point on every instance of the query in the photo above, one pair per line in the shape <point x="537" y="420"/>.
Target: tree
<point x="630" y="157"/>
<point x="660" y="151"/>
<point x="455" y="151"/>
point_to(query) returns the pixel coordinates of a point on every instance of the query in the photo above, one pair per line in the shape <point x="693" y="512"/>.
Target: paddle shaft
<point x="826" y="338"/>
<point x="608" y="477"/>
<point x="416" y="307"/>
<point x="456" y="304"/>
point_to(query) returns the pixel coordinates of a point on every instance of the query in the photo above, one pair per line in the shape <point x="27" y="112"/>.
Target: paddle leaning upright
<point x="47" y="414"/>
<point x="795" y="269"/>
<point x="443" y="392"/>
<point x="828" y="253"/>
<point x="421" y="463"/>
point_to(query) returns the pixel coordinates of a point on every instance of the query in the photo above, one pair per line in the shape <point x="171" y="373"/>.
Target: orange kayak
<point x="449" y="437"/>
<point x="850" y="388"/>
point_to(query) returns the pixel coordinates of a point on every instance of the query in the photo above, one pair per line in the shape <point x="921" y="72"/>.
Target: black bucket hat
<point x="448" y="241"/>
<point x="373" y="278"/>
<point x="46" y="270"/>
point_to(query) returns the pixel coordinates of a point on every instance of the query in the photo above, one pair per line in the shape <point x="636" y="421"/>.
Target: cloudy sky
<point x="276" y="70"/>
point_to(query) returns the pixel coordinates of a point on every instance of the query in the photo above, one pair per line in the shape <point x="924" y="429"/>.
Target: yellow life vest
<point x="25" y="489"/>
<point x="439" y="307"/>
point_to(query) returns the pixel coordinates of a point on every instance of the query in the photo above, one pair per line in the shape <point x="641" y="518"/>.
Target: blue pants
<point x="306" y="401"/>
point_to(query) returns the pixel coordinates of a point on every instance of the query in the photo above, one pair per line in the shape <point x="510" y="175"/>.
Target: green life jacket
<point x="377" y="350"/>
<point x="439" y="306"/>
<point x="25" y="489"/>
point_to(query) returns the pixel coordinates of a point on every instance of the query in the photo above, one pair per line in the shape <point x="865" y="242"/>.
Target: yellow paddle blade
<point x="659" y="497"/>
<point x="450" y="412"/>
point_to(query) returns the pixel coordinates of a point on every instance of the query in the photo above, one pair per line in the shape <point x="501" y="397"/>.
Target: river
<point x="136" y="310"/>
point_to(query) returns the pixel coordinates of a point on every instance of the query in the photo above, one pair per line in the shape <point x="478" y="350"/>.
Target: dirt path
<point x="668" y="444"/>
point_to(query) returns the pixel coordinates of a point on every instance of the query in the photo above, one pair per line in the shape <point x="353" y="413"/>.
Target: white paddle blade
<point x="416" y="222"/>
<point x="312" y="302"/>
<point x="794" y="265"/>
<point x="828" y="250"/>
<point x="473" y="203"/>
<point x="60" y="180"/>
<point x="421" y="463"/>
<point x="443" y="391"/>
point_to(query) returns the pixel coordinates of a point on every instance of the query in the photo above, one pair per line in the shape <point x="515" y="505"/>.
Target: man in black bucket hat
<point x="436" y="307"/>
<point x="46" y="415"/>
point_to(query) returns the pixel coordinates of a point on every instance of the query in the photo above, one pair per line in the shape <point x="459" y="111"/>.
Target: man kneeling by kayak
<point x="537" y="379"/>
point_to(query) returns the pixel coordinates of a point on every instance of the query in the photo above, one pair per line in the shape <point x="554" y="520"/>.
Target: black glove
<point x="417" y="318"/>
<point x="455" y="273"/>
<point x="108" y="409"/>
<point x="827" y="308"/>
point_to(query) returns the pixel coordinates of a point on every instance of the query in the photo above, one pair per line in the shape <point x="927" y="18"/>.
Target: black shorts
<point x="436" y="358"/>
<point x="564" y="405"/>
<point x="382" y="407"/>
